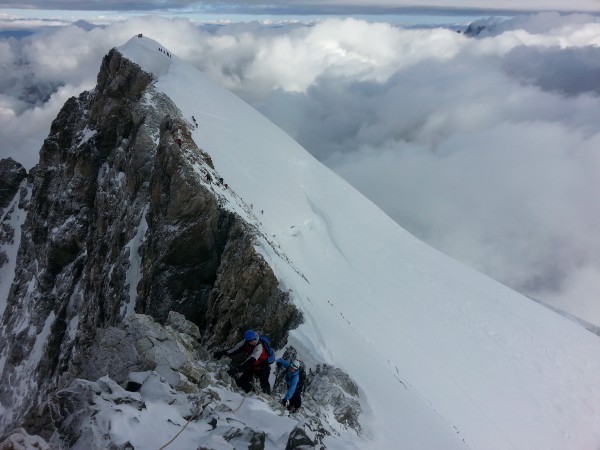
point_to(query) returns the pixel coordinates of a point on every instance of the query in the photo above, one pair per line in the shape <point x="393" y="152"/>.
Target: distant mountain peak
<point x="85" y="25"/>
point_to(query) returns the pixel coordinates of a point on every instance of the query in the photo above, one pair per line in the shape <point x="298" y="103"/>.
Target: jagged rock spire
<point x="119" y="222"/>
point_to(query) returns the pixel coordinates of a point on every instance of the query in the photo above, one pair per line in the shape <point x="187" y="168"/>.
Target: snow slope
<point x="445" y="357"/>
<point x="15" y="217"/>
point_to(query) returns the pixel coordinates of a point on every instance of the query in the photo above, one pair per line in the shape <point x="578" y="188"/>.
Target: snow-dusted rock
<point x="11" y="175"/>
<point x="119" y="222"/>
<point x="334" y="390"/>
<point x="19" y="439"/>
<point x="179" y="323"/>
<point x="307" y="434"/>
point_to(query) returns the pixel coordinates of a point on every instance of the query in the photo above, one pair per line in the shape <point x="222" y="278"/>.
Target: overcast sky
<point x="304" y="6"/>
<point x="486" y="147"/>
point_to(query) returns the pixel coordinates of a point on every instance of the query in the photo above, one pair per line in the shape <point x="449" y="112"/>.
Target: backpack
<point x="270" y="352"/>
<point x="301" y="378"/>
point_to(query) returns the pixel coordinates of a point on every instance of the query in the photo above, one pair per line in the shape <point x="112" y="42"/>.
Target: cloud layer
<point x="485" y="147"/>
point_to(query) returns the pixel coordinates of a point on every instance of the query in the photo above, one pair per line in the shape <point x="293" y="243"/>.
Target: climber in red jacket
<point x="254" y="365"/>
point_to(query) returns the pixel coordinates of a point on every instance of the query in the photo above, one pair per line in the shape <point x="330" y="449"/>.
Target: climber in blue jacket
<point x="292" y="400"/>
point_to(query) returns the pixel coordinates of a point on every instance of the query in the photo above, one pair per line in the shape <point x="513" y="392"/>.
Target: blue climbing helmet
<point x="250" y="335"/>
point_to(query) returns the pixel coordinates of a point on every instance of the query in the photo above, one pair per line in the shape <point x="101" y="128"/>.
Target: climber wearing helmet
<point x="254" y="364"/>
<point x="292" y="400"/>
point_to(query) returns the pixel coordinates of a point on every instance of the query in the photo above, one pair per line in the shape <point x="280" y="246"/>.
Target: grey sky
<point x="309" y="6"/>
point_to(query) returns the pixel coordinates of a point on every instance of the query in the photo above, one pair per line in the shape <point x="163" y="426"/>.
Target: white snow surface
<point x="14" y="217"/>
<point x="134" y="272"/>
<point x="445" y="357"/>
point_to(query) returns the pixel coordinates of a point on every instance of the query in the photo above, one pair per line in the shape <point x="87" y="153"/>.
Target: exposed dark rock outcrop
<point x="119" y="222"/>
<point x="11" y="175"/>
<point x="474" y="29"/>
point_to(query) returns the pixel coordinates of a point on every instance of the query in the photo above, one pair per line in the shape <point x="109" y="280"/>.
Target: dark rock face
<point x="118" y="222"/>
<point x="208" y="270"/>
<point x="474" y="29"/>
<point x="11" y="175"/>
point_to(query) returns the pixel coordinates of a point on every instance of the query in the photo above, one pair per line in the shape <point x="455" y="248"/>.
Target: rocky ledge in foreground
<point x="170" y="389"/>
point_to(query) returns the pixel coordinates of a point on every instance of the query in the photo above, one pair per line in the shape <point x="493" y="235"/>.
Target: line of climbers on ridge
<point x="219" y="180"/>
<point x="208" y="176"/>
<point x="258" y="357"/>
<point x="176" y="133"/>
<point x="164" y="51"/>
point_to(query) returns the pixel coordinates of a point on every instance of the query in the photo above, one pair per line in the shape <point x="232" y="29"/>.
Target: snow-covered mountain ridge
<point x="494" y="358"/>
<point x="443" y="357"/>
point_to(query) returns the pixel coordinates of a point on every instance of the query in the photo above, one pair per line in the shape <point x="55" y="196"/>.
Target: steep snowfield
<point x="15" y="217"/>
<point x="445" y="357"/>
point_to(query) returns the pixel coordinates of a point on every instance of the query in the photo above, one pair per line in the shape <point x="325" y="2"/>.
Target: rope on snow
<point x="180" y="431"/>
<point x="243" y="398"/>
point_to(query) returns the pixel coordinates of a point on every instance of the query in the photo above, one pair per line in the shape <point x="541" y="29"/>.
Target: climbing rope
<point x="243" y="398"/>
<point x="180" y="431"/>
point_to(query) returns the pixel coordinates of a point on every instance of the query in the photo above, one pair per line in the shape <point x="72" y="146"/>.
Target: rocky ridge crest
<point x="117" y="223"/>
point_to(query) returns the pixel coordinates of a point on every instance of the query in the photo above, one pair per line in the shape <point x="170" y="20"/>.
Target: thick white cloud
<point x="485" y="147"/>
